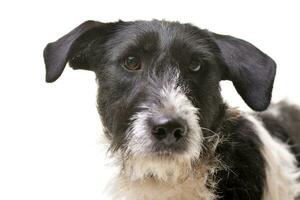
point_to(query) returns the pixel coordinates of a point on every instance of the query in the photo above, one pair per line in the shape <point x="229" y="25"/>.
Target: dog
<point x="169" y="129"/>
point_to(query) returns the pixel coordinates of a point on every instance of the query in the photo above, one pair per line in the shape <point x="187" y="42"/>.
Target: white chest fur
<point x="191" y="188"/>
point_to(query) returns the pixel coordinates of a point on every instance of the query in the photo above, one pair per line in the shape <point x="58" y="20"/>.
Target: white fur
<point x="191" y="188"/>
<point x="190" y="183"/>
<point x="141" y="161"/>
<point x="281" y="172"/>
<point x="274" y="110"/>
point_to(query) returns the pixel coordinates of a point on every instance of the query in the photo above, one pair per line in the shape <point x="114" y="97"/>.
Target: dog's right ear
<point x="251" y="71"/>
<point x="73" y="47"/>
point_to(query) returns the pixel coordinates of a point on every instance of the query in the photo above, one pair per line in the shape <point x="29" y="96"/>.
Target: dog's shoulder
<point x="255" y="162"/>
<point x="242" y="174"/>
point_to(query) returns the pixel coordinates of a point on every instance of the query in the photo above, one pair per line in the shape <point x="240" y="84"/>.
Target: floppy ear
<point x="72" y="47"/>
<point x="251" y="71"/>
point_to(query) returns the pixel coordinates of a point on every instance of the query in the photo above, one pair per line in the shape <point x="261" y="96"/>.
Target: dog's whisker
<point x="207" y="129"/>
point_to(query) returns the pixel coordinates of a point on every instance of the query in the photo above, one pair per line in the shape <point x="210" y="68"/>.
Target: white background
<point x="49" y="133"/>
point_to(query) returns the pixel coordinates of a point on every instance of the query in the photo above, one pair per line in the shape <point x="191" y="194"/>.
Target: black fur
<point x="242" y="175"/>
<point x="161" y="45"/>
<point x="248" y="67"/>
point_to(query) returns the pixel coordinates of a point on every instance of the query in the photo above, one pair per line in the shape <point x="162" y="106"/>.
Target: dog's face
<point x="159" y="85"/>
<point x="156" y="80"/>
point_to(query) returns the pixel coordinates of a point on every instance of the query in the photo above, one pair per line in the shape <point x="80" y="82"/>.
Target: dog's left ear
<point x="74" y="48"/>
<point x="251" y="71"/>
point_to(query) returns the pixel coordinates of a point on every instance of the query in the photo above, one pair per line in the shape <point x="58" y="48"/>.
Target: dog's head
<point x="159" y="85"/>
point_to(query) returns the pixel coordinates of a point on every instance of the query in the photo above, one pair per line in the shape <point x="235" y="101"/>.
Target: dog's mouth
<point x="161" y="149"/>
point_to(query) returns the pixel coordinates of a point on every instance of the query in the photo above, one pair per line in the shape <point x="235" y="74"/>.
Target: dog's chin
<point x="162" y="166"/>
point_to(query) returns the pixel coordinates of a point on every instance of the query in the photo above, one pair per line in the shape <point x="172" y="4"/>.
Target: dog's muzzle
<point x="167" y="123"/>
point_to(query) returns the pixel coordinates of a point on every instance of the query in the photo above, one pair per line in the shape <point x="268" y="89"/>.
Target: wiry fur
<point x="221" y="154"/>
<point x="190" y="187"/>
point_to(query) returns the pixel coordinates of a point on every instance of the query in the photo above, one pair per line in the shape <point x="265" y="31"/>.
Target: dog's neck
<point x="223" y="113"/>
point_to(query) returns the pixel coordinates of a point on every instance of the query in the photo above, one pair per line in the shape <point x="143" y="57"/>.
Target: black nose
<point x="168" y="130"/>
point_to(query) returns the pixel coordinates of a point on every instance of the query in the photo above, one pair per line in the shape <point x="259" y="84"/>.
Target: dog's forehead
<point x="142" y="30"/>
<point x="154" y="35"/>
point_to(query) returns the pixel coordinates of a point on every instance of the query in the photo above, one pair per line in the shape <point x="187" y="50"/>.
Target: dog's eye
<point x="132" y="63"/>
<point x="195" y="66"/>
